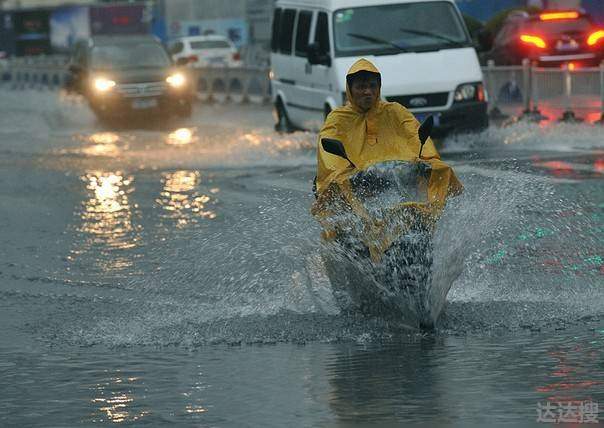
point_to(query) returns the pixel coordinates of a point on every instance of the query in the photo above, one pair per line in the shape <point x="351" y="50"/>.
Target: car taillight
<point x="236" y="56"/>
<point x="193" y="58"/>
<point x="552" y="16"/>
<point x="533" y="40"/>
<point x="595" y="37"/>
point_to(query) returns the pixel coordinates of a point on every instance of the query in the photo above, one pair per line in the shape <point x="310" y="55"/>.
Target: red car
<point x="549" y="38"/>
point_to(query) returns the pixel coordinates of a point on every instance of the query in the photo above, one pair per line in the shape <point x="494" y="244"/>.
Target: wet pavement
<point x="170" y="274"/>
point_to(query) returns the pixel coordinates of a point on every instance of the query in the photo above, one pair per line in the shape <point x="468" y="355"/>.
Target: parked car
<point x="549" y="38"/>
<point x="421" y="47"/>
<point x="205" y="51"/>
<point x="129" y="75"/>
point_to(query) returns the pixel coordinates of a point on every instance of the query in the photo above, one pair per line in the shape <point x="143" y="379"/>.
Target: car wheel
<point x="282" y="124"/>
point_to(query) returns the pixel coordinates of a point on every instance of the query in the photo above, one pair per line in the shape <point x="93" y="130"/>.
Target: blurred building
<point x="245" y="22"/>
<point x="562" y="4"/>
<point x="259" y="14"/>
<point x="197" y="17"/>
<point x="483" y="10"/>
<point x="30" y="4"/>
<point x="42" y="27"/>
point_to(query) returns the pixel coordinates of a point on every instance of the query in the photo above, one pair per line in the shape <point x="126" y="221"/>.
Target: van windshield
<point x="393" y="28"/>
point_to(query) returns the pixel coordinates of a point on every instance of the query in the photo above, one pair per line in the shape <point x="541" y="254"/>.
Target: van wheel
<point x="282" y="124"/>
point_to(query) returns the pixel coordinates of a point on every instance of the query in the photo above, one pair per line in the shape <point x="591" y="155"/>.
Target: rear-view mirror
<point x="425" y="129"/>
<point x="335" y="147"/>
<point x="316" y="57"/>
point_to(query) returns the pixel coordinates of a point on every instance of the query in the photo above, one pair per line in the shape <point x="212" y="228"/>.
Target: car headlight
<point x="469" y="92"/>
<point x="176" y="80"/>
<point x="102" y="84"/>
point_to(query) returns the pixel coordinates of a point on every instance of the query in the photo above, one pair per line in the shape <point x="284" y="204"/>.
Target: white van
<point x="421" y="47"/>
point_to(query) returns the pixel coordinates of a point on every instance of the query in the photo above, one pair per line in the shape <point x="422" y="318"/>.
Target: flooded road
<point x="171" y="275"/>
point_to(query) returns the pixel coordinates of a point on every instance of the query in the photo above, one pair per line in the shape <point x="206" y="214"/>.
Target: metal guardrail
<point x="39" y="71"/>
<point x="525" y="89"/>
<point x="240" y="84"/>
<point x="530" y="90"/>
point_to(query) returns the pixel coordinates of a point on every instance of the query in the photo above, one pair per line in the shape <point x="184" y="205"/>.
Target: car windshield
<point x="210" y="44"/>
<point x="580" y="25"/>
<point x="131" y="55"/>
<point x="406" y="27"/>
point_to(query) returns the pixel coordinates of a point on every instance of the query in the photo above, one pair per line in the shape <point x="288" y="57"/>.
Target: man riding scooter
<point x="366" y="148"/>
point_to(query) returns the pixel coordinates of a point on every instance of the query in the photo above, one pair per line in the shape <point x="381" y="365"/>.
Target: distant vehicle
<point x="421" y="47"/>
<point x="205" y="51"/>
<point x="129" y="75"/>
<point x="550" y="38"/>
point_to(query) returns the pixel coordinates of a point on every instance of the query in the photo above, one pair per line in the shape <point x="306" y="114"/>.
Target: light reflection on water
<point x="102" y="144"/>
<point x="576" y="169"/>
<point x="181" y="137"/>
<point x="115" y="401"/>
<point x="197" y="395"/>
<point x="195" y="409"/>
<point x="110" y="150"/>
<point x="569" y="380"/>
<point x="107" y="220"/>
<point x="107" y="214"/>
<point x="104" y="138"/>
<point x="110" y="223"/>
<point x="273" y="146"/>
<point x="180" y="200"/>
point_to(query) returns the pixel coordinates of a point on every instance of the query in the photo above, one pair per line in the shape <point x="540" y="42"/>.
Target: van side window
<point x="322" y="33"/>
<point x="303" y="31"/>
<point x="286" y="29"/>
<point x="276" y="27"/>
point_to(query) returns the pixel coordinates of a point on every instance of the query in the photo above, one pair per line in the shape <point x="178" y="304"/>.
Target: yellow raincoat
<point x="388" y="131"/>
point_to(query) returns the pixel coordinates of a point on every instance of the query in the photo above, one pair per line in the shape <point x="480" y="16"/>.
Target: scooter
<point x="378" y="254"/>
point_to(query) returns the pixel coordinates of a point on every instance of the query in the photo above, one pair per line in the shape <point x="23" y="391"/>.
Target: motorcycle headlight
<point x="176" y="80"/>
<point x="469" y="92"/>
<point x="103" y="84"/>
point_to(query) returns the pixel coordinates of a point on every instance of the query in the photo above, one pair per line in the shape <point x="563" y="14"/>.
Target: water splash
<point x="530" y="137"/>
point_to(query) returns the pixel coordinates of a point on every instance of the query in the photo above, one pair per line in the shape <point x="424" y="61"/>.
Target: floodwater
<point x="172" y="276"/>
